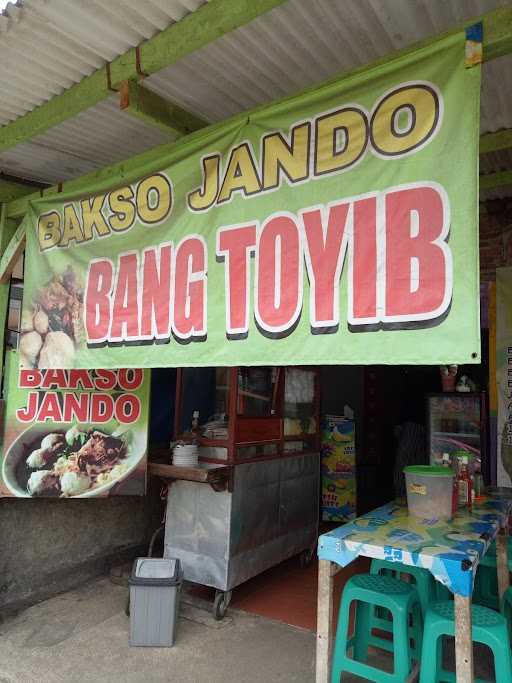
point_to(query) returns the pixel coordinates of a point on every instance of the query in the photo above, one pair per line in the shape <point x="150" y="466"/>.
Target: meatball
<point x="27" y="321"/>
<point x="58" y="351"/>
<point x="52" y="441"/>
<point x="74" y="483"/>
<point x="42" y="482"/>
<point x="30" y="346"/>
<point x="41" y="322"/>
<point x="73" y="434"/>
<point x="39" y="458"/>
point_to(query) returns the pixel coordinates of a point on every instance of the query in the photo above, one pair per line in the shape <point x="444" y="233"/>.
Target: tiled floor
<point x="287" y="592"/>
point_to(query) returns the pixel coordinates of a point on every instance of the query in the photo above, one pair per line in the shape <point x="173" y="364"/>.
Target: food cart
<point x="252" y="502"/>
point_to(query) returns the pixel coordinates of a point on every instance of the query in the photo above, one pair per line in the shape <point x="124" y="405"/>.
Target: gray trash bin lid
<point x="156" y="571"/>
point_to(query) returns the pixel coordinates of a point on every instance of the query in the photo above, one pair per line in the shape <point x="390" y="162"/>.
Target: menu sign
<point x="74" y="433"/>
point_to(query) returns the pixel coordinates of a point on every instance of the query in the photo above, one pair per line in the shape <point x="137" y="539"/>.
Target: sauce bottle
<point x="455" y="491"/>
<point x="464" y="485"/>
<point x="478" y="481"/>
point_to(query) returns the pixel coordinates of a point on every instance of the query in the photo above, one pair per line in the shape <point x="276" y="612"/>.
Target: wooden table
<point x="450" y="550"/>
<point x="218" y="476"/>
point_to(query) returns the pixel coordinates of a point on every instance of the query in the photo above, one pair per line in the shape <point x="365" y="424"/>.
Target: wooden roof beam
<point x="490" y="181"/>
<point x="149" y="107"/>
<point x="493" y="142"/>
<point x="13" y="188"/>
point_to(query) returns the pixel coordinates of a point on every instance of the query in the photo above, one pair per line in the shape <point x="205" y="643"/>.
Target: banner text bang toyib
<point x="336" y="227"/>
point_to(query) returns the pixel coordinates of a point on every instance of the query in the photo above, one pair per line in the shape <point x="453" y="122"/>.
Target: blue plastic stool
<point x="401" y="599"/>
<point x="489" y="628"/>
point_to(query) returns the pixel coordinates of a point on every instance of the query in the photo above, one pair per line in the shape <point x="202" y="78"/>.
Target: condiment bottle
<point x="455" y="491"/>
<point x="464" y="484"/>
<point x="195" y="425"/>
<point x="478" y="481"/>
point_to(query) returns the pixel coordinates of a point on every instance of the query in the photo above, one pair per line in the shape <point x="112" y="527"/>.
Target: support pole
<point x="7" y="229"/>
<point x="463" y="640"/>
<point x="502" y="563"/>
<point x="324" y="631"/>
<point x="11" y="251"/>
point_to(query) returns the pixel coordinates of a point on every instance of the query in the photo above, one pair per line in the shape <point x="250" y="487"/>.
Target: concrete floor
<point x="82" y="635"/>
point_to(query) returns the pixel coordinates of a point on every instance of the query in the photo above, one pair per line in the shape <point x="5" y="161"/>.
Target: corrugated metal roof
<point x="306" y="41"/>
<point x="298" y="44"/>
<point x="98" y="136"/>
<point x="46" y="46"/>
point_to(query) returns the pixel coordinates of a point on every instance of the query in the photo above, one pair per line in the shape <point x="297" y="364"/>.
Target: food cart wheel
<point x="221" y="603"/>
<point x="306" y="557"/>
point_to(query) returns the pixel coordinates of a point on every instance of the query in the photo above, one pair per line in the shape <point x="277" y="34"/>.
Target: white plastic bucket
<point x="429" y="491"/>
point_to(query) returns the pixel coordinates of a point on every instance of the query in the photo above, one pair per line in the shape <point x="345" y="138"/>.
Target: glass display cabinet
<point x="247" y="413"/>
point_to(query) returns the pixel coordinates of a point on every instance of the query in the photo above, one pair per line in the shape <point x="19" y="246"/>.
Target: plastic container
<point x="155" y="586"/>
<point x="429" y="491"/>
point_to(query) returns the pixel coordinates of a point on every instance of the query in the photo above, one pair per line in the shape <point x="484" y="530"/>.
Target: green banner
<point x="74" y="433"/>
<point x="338" y="226"/>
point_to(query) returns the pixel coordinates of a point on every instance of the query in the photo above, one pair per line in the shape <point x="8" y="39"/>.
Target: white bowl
<point x="136" y="451"/>
<point x="185" y="461"/>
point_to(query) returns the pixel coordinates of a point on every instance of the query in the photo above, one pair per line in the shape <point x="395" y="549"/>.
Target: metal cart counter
<point x="224" y="538"/>
<point x="254" y="499"/>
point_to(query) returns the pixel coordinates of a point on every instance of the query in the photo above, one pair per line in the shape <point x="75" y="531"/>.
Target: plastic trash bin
<point x="155" y="586"/>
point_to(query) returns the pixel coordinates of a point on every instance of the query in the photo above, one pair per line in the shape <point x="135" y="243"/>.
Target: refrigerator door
<point x="338" y="469"/>
<point x="455" y="423"/>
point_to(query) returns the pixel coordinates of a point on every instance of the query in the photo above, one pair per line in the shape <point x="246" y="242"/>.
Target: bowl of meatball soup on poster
<point x="72" y="461"/>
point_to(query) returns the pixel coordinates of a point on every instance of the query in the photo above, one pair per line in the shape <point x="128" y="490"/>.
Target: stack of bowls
<point x="185" y="455"/>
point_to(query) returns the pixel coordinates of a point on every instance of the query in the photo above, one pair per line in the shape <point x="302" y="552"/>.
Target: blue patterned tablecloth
<point x="451" y="550"/>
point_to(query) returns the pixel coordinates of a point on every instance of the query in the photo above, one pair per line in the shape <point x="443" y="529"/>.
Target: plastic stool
<point x="486" y="581"/>
<point x="506" y="609"/>
<point x="485" y="591"/>
<point x="402" y="600"/>
<point x="442" y="593"/>
<point x="489" y="628"/>
<point x="491" y="551"/>
<point x="421" y="578"/>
